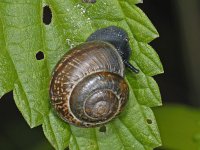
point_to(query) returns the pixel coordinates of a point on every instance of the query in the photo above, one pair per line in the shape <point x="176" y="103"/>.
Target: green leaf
<point x="145" y="88"/>
<point x="6" y="65"/>
<point x="146" y="58"/>
<point x="23" y="39"/>
<point x="23" y="35"/>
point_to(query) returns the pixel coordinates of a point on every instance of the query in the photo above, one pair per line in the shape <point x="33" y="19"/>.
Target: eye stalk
<point x="119" y="39"/>
<point x="131" y="67"/>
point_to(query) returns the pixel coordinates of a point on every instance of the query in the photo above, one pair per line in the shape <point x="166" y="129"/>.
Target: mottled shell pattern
<point x="87" y="88"/>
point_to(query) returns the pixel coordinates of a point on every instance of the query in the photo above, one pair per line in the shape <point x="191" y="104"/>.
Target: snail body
<point x="87" y="87"/>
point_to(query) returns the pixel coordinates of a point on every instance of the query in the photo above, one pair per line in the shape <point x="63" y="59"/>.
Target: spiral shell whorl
<point x="81" y="64"/>
<point x="106" y="94"/>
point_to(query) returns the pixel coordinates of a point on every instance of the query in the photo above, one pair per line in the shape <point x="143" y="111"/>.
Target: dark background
<point x="173" y="83"/>
<point x="178" y="23"/>
<point x="178" y="47"/>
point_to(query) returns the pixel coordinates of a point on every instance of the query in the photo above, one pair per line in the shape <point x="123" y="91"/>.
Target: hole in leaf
<point x="102" y="129"/>
<point x="47" y="15"/>
<point x="39" y="55"/>
<point x="149" y="121"/>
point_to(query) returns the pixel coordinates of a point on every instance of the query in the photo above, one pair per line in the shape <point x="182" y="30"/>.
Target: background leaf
<point x="24" y="35"/>
<point x="179" y="126"/>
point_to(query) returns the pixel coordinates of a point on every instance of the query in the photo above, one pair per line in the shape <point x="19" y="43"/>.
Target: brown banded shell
<point x="87" y="88"/>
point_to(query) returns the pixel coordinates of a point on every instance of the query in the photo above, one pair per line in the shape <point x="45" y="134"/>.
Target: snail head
<point x="119" y="39"/>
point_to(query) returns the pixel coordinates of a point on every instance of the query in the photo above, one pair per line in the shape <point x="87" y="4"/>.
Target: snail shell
<point x="87" y="87"/>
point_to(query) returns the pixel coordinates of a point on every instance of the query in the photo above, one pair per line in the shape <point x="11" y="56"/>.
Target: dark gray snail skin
<point x="117" y="37"/>
<point x="87" y="88"/>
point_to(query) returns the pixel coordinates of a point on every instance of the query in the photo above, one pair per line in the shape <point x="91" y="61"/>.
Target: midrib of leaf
<point x="46" y="60"/>
<point x="95" y="135"/>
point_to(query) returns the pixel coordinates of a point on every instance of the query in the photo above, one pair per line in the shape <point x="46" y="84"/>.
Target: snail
<point x="88" y="88"/>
